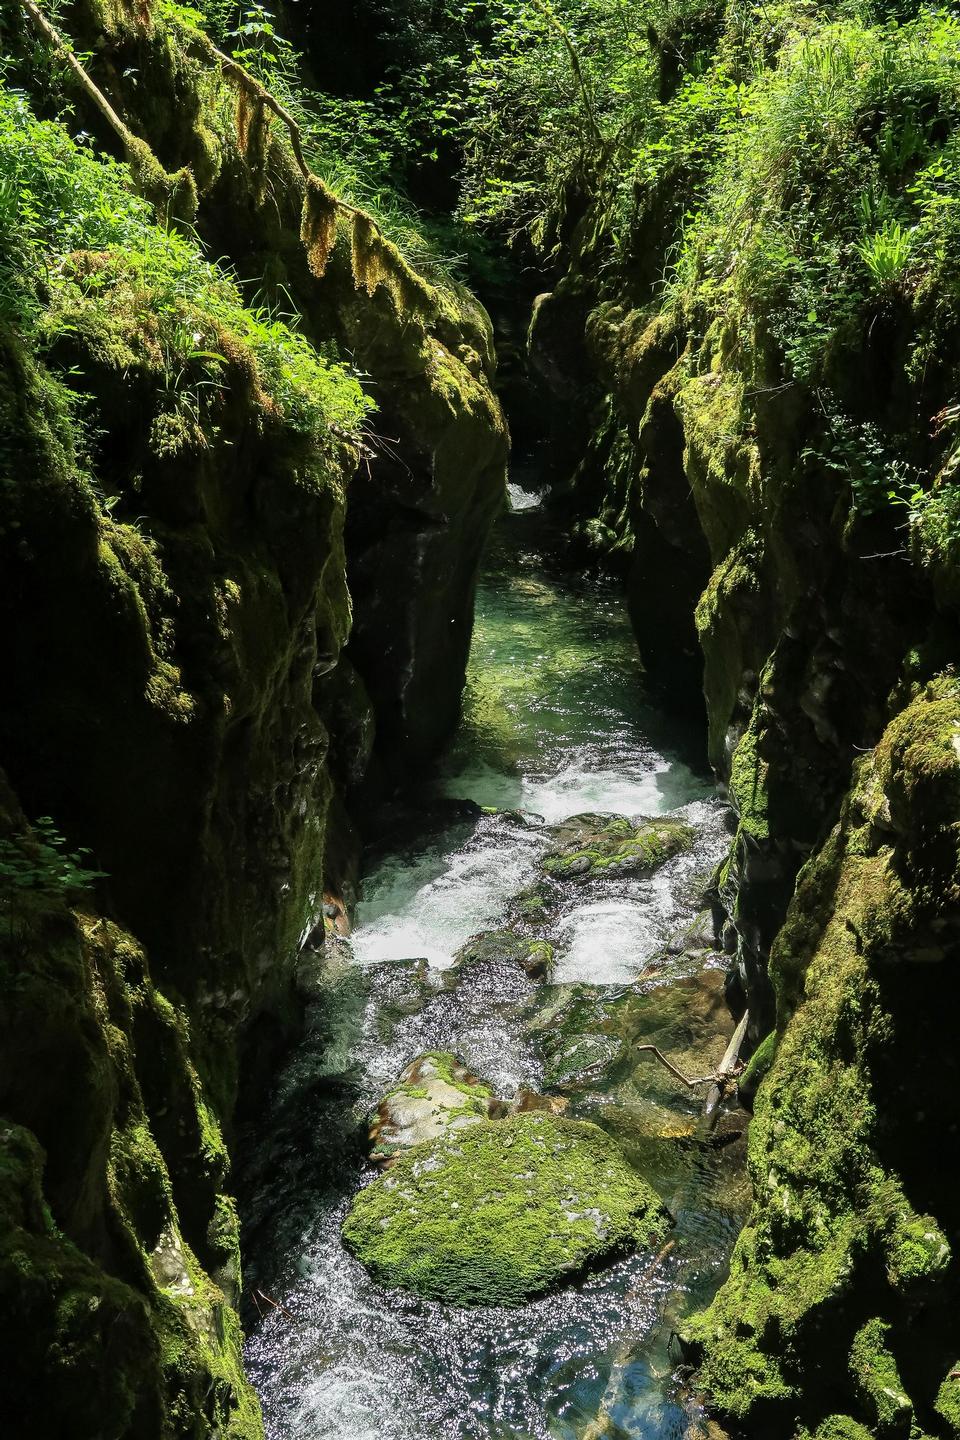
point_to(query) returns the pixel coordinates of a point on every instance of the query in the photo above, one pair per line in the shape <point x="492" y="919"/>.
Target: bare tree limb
<point x="691" y="1084"/>
<point x="276" y="1305"/>
<point x="727" y="1071"/>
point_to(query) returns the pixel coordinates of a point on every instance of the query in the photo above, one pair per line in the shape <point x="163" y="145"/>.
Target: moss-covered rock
<point x="118" y="1234"/>
<point x="502" y="1211"/>
<point x="434" y="1094"/>
<point x="422" y="505"/>
<point x="503" y="947"/>
<point x="587" y="846"/>
<point x="838" y="1124"/>
<point x="173" y="608"/>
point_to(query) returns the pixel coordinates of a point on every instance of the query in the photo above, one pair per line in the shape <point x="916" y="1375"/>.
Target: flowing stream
<point x="555" y="723"/>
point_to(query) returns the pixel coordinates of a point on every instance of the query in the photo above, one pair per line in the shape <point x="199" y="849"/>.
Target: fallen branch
<point x="131" y="143"/>
<point x="173" y="197"/>
<point x="727" y="1073"/>
<point x="690" y="1083"/>
<point x="719" y="1080"/>
<point x="259" y="91"/>
<point x="230" y="66"/>
<point x="276" y="1305"/>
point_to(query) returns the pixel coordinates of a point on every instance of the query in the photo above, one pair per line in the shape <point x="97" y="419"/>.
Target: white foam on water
<point x="566" y="725"/>
<point x="606" y="942"/>
<point x="521" y="499"/>
<point x="426" y="908"/>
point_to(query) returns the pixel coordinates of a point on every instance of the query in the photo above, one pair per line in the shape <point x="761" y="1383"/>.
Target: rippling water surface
<point x="555" y="722"/>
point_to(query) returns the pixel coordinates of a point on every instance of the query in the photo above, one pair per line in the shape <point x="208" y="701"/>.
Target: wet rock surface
<point x="442" y="1319"/>
<point x="436" y="1093"/>
<point x="587" y="846"/>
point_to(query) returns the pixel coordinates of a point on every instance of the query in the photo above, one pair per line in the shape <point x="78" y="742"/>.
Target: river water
<point x="555" y="723"/>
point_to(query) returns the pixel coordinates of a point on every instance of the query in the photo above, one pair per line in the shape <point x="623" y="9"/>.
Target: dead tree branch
<point x="684" y="1079"/>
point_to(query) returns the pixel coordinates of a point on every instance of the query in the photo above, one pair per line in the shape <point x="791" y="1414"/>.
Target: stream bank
<point x="555" y="724"/>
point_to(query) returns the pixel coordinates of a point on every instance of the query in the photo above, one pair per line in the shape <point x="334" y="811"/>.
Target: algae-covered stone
<point x="948" y="1399"/>
<point x="501" y="1211"/>
<point x="589" y="845"/>
<point x="504" y="947"/>
<point x="435" y="1093"/>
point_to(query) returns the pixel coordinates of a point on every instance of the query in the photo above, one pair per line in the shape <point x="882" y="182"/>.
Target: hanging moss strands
<point x="253" y="121"/>
<point x="367" y="254"/>
<point x="318" y="228"/>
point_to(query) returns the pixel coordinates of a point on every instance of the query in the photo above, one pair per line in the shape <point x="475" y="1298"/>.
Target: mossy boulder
<point x="502" y="1211"/>
<point x="586" y="846"/>
<point x="436" y="1093"/>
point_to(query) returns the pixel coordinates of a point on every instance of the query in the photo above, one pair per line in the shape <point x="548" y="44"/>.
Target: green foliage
<point x="887" y="255"/>
<point x="38" y="861"/>
<point x="830" y="186"/>
<point x="864" y="456"/>
<point x="152" y="289"/>
<point x="365" y="148"/>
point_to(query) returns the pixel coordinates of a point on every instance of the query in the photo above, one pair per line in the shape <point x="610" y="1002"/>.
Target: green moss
<point x="499" y="947"/>
<point x="592" y="845"/>
<point x="841" y="1427"/>
<point x="445" y="1066"/>
<point x="829" y="1211"/>
<point x="726" y="620"/>
<point x="760" y="1062"/>
<point x="917" y="1249"/>
<point x="878" y="1380"/>
<point x="748" y="782"/>
<point x="501" y="1211"/>
<point x="948" y="1399"/>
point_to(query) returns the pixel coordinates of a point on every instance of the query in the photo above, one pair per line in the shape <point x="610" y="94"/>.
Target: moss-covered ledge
<point x="845" y="1267"/>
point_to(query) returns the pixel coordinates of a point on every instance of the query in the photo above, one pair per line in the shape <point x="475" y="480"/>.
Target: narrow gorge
<point x="480" y="749"/>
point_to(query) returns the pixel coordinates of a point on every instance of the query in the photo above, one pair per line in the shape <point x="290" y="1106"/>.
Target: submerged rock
<point x="588" y="845"/>
<point x="504" y="947"/>
<point x="434" y="1094"/>
<point x="501" y="1211"/>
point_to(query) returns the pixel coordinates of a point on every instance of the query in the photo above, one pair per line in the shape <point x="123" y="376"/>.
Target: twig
<point x="691" y="1084"/>
<point x="728" y="1069"/>
<point x="276" y="1305"/>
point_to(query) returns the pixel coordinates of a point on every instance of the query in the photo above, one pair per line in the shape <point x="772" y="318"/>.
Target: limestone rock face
<point x="501" y="1211"/>
<point x="850" y="1230"/>
<point x="174" y="612"/>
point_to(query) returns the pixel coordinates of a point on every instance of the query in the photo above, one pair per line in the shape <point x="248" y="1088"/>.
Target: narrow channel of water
<point x="555" y="723"/>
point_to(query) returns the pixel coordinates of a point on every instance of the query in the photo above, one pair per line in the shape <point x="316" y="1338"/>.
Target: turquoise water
<point x="555" y="722"/>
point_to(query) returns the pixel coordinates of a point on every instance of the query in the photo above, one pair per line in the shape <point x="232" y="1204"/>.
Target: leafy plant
<point x="36" y="865"/>
<point x="888" y="254"/>
<point x="69" y="223"/>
